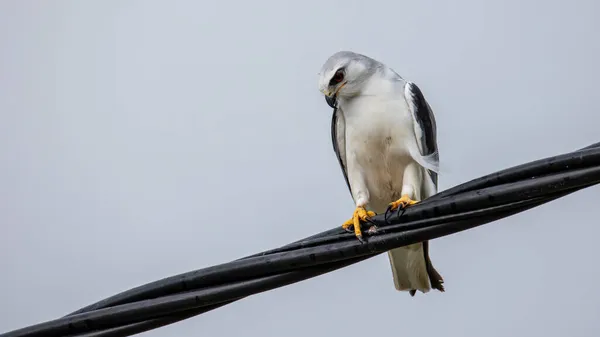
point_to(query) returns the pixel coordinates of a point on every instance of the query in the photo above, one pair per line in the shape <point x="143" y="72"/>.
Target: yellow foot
<point x="360" y="213"/>
<point x="403" y="202"/>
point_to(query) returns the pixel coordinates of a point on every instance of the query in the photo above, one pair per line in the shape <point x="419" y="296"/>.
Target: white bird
<point x="384" y="135"/>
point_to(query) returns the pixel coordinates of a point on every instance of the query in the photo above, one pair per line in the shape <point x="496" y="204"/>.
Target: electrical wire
<point x="465" y="206"/>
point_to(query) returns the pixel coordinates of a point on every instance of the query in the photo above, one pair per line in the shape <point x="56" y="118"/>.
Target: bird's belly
<point x="380" y="155"/>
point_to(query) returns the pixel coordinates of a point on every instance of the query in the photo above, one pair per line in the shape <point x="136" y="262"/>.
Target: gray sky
<point x="128" y="129"/>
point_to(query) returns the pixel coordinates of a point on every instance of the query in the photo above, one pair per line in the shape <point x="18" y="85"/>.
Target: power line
<point x="465" y="206"/>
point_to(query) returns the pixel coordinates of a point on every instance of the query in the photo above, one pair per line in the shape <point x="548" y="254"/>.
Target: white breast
<point x="377" y="131"/>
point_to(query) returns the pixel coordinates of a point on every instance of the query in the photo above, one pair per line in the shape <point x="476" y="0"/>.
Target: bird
<point x="384" y="136"/>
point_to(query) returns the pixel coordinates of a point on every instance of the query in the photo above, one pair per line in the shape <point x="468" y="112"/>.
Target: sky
<point x="133" y="133"/>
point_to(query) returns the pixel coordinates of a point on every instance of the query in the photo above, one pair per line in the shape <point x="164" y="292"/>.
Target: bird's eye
<point x="338" y="77"/>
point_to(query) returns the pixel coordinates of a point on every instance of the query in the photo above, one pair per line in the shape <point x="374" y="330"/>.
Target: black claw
<point x="349" y="229"/>
<point x="370" y="221"/>
<point x="387" y="211"/>
<point x="401" y="211"/>
<point x="360" y="238"/>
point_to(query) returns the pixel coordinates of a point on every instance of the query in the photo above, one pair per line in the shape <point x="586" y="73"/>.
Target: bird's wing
<point x="338" y="138"/>
<point x="425" y="130"/>
<point x="425" y="133"/>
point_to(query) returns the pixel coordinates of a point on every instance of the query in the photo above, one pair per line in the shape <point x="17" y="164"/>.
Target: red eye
<point x="338" y="77"/>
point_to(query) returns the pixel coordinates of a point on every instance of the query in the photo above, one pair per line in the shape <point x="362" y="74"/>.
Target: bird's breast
<point x="376" y="138"/>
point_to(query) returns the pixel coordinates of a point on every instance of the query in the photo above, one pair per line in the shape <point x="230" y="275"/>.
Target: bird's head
<point x="344" y="74"/>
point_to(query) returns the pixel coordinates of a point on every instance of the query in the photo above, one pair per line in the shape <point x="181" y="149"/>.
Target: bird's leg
<point x="412" y="177"/>
<point x="360" y="194"/>
<point x="360" y="213"/>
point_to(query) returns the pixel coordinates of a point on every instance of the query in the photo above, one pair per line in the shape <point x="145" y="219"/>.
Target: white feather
<point x="429" y="161"/>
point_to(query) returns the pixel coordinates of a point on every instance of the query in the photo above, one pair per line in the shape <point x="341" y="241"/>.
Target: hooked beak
<point x="331" y="100"/>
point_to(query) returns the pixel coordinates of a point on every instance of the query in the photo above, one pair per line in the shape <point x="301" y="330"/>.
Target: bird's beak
<point x="331" y="100"/>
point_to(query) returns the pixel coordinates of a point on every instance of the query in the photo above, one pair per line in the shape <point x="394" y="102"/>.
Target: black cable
<point x="465" y="206"/>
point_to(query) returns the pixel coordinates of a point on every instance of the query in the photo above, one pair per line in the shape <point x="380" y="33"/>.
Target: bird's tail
<point x="412" y="269"/>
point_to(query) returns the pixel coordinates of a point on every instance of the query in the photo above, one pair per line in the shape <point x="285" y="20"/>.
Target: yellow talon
<point x="360" y="213"/>
<point x="403" y="202"/>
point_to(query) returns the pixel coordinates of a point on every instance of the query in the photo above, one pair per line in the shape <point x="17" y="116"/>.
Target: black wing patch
<point x="423" y="115"/>
<point x="334" y="121"/>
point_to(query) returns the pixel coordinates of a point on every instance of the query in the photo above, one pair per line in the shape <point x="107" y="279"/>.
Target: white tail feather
<point x="409" y="269"/>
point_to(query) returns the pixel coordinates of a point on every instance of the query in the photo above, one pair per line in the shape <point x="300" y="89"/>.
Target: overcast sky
<point x="128" y="129"/>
